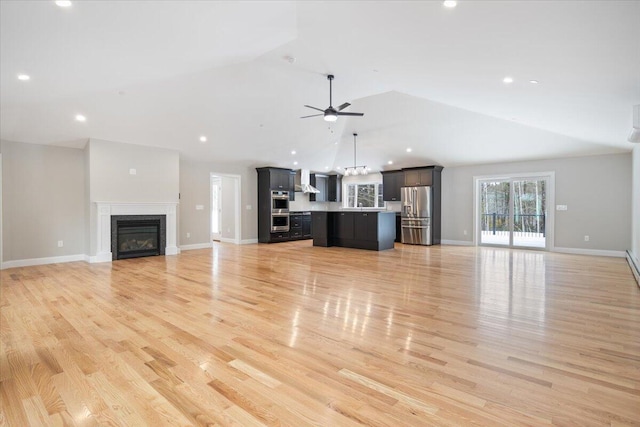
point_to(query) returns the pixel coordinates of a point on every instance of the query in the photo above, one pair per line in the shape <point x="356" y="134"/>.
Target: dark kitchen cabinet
<point x="295" y="226"/>
<point x="321" y="228"/>
<point x="306" y="226"/>
<point x="360" y="230"/>
<point x="320" y="182"/>
<point x="272" y="179"/>
<point x="392" y="182"/>
<point x="365" y="226"/>
<point x="279" y="237"/>
<point x="419" y="176"/>
<point x="300" y="226"/>
<point x="343" y="226"/>
<point x="281" y="179"/>
<point x="334" y="191"/>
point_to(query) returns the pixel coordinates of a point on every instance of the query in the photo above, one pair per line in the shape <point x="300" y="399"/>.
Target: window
<point x="364" y="196"/>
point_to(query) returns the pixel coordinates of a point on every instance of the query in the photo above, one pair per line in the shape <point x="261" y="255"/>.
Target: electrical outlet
<point x="586" y="238"/>
<point x="132" y="171"/>
<point x="60" y="243"/>
<point x="199" y="207"/>
<point x="188" y="235"/>
<point x="249" y="207"/>
<point x="561" y="207"/>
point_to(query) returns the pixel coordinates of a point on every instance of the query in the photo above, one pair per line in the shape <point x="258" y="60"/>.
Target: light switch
<point x="132" y="171"/>
<point x="561" y="207"/>
<point x="249" y="207"/>
<point x="199" y="207"/>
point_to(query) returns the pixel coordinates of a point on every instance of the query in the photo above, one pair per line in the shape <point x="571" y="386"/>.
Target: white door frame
<point x="216" y="180"/>
<point x="237" y="185"/>
<point x="551" y="203"/>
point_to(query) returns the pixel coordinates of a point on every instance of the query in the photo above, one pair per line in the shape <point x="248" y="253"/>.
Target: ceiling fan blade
<point x="349" y="114"/>
<point x="343" y="106"/>
<point x="313" y="115"/>
<point x="309" y="106"/>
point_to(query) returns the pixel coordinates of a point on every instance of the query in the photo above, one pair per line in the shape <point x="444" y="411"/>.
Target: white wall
<point x="43" y="201"/>
<point x="157" y="177"/>
<point x="635" y="215"/>
<point x="596" y="189"/>
<point x="195" y="190"/>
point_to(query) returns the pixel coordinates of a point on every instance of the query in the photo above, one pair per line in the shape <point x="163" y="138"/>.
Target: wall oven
<point x="279" y="211"/>
<point x="280" y="201"/>
<point x="279" y="222"/>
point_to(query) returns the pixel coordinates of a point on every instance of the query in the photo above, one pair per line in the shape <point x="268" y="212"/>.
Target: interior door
<point x="216" y="208"/>
<point x="513" y="212"/>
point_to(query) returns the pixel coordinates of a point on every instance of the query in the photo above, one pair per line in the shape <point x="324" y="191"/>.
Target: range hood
<point x="302" y="182"/>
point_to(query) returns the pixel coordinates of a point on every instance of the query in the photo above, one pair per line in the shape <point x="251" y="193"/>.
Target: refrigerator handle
<point x="415" y="200"/>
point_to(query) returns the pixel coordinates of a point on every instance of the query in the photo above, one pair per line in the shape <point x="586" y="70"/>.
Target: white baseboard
<point x="43" y="261"/>
<point x="593" y="252"/>
<point x="196" y="246"/>
<point x="248" y="241"/>
<point x="634" y="265"/>
<point x="457" y="242"/>
<point x="103" y="257"/>
<point x="171" y="250"/>
<point x="229" y="240"/>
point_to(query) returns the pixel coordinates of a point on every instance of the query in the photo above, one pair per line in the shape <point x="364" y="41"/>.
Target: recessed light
<point x="449" y="3"/>
<point x="390" y="162"/>
<point x="508" y="80"/>
<point x="339" y="167"/>
<point x="24" y="77"/>
<point x="203" y="139"/>
<point x="81" y="118"/>
<point x="293" y="152"/>
<point x="534" y="82"/>
<point x="295" y="163"/>
<point x="63" y="3"/>
<point x="326" y="167"/>
<point x="409" y="150"/>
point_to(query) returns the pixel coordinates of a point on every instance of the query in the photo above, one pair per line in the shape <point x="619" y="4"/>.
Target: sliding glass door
<point x="513" y="212"/>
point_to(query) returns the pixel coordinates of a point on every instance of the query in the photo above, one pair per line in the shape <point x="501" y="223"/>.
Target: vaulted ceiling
<point x="426" y="77"/>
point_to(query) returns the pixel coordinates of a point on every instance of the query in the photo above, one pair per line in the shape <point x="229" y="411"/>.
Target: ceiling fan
<point x="331" y="114"/>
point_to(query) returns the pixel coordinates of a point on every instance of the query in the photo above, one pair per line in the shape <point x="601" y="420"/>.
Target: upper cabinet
<point x="392" y="182"/>
<point x="420" y="176"/>
<point x="330" y="187"/>
<point x="279" y="179"/>
<point x="428" y="175"/>
<point x="334" y="191"/>
<point x="321" y="183"/>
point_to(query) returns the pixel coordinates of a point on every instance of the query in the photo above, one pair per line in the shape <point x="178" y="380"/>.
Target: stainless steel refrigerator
<point x="417" y="209"/>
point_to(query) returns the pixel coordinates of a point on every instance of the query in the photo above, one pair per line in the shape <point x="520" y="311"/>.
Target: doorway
<point x="216" y="208"/>
<point x="515" y="211"/>
<point x="225" y="218"/>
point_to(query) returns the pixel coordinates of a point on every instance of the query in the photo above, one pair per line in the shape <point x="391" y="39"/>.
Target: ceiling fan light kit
<point x="331" y="114"/>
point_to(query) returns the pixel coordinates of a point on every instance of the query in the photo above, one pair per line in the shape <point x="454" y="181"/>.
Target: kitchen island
<point x="373" y="230"/>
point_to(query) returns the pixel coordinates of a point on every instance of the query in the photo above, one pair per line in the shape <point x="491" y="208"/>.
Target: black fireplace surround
<point x="135" y="236"/>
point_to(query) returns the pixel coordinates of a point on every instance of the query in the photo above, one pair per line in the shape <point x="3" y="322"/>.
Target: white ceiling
<point x="163" y="73"/>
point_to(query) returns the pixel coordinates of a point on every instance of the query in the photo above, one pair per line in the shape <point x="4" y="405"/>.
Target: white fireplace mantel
<point x="103" y="227"/>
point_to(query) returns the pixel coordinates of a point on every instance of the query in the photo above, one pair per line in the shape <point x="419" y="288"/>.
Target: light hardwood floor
<point x="289" y="334"/>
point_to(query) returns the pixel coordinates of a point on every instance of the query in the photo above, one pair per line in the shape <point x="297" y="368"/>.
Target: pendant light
<point x="355" y="169"/>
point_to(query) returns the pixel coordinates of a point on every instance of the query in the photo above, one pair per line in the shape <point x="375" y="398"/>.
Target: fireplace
<point x="135" y="236"/>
